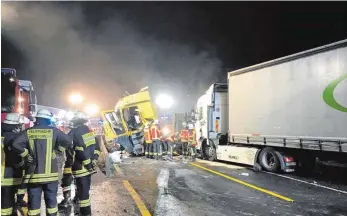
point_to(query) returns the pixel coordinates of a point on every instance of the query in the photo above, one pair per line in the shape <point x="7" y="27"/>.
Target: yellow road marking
<point x="140" y="205"/>
<point x="245" y="183"/>
<point x="118" y="170"/>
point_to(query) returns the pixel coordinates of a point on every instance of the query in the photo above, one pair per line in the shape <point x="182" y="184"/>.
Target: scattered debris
<point x="244" y="174"/>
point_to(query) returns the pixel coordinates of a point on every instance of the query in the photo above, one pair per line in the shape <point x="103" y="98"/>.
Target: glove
<point x="19" y="165"/>
<point x="94" y="164"/>
<point x="90" y="167"/>
<point x="29" y="159"/>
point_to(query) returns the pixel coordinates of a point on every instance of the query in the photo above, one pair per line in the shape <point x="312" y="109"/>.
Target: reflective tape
<point x="67" y="171"/>
<point x="34" y="211"/>
<point x="84" y="203"/>
<point x="79" y="148"/>
<point x="7" y="211"/>
<point x="21" y="191"/>
<point x="52" y="210"/>
<point x="88" y="139"/>
<point x="25" y="153"/>
<point x="97" y="152"/>
<point x="86" y="162"/>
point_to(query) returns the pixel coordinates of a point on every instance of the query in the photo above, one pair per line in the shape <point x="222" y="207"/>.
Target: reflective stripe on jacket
<point x="9" y="175"/>
<point x="85" y="149"/>
<point x="192" y="136"/>
<point x="41" y="142"/>
<point x="155" y="133"/>
<point x="184" y="135"/>
<point x="148" y="136"/>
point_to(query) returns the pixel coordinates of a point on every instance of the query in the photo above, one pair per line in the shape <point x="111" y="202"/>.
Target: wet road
<point x="225" y="189"/>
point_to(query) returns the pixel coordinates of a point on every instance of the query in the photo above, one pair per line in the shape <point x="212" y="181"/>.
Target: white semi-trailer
<point x="280" y="115"/>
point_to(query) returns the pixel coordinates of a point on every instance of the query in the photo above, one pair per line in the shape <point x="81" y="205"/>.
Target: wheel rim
<point x="269" y="160"/>
<point x="211" y="151"/>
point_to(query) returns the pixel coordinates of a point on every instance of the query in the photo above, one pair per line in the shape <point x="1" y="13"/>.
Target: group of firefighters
<point x="29" y="163"/>
<point x="29" y="160"/>
<point x="158" y="144"/>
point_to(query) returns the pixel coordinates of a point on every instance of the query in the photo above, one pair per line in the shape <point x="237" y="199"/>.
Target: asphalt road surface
<point x="147" y="187"/>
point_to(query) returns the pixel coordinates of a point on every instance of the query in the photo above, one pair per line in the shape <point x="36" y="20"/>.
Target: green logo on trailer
<point x="328" y="94"/>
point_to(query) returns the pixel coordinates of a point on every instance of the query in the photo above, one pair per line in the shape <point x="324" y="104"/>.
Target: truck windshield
<point x="115" y="121"/>
<point x="8" y="91"/>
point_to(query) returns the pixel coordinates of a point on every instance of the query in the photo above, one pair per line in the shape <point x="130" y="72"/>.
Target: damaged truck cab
<point x="125" y="124"/>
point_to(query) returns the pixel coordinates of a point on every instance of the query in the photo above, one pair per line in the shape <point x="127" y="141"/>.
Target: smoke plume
<point x="66" y="53"/>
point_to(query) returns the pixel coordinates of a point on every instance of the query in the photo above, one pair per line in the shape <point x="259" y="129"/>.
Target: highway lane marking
<point x="118" y="170"/>
<point x="244" y="183"/>
<point x="140" y="204"/>
<point x="306" y="182"/>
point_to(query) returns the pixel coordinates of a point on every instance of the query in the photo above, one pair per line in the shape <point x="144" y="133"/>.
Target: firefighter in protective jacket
<point x="41" y="142"/>
<point x="12" y="174"/>
<point x="148" y="141"/>
<point x="184" y="139"/>
<point x="156" y="137"/>
<point x="192" y="141"/>
<point x="80" y="163"/>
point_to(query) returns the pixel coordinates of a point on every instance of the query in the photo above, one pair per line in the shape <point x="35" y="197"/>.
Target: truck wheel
<point x="269" y="160"/>
<point x="211" y="153"/>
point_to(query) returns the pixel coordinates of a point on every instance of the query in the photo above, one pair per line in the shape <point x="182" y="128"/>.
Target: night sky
<point x="176" y="47"/>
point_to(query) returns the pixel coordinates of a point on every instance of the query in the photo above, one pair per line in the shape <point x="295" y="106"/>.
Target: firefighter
<point x="156" y="137"/>
<point x="171" y="140"/>
<point x="192" y="141"/>
<point x="148" y="141"/>
<point x="80" y="163"/>
<point x="184" y="139"/>
<point x="11" y="176"/>
<point x="38" y="146"/>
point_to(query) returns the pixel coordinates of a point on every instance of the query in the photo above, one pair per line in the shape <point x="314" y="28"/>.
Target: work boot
<point x="66" y="202"/>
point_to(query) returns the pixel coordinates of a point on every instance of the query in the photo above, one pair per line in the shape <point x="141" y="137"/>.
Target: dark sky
<point x="177" y="47"/>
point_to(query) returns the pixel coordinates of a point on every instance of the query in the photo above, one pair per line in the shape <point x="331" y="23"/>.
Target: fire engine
<point x="17" y="96"/>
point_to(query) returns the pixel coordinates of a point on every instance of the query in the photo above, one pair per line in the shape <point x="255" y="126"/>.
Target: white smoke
<point x="66" y="53"/>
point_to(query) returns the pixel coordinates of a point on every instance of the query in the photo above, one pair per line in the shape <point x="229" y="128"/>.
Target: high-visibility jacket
<point x="41" y="142"/>
<point x="192" y="137"/>
<point x="184" y="135"/>
<point x="148" y="136"/>
<point x="86" y="148"/>
<point x="9" y="176"/>
<point x="155" y="132"/>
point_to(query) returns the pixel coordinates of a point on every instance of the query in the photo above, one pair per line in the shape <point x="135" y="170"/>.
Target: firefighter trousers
<point x="50" y="191"/>
<point x="157" y="148"/>
<point x="83" y="188"/>
<point x="170" y="148"/>
<point x="192" y="150"/>
<point x="145" y="149"/>
<point x="8" y="200"/>
<point x="21" y="190"/>
<point x="149" y="149"/>
<point x="184" y="148"/>
<point x="165" y="147"/>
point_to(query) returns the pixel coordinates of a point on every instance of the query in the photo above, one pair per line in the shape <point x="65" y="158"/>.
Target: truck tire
<point x="269" y="160"/>
<point x="211" y="153"/>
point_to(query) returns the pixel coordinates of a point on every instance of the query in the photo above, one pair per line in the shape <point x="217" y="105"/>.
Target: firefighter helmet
<point x="184" y="124"/>
<point x="12" y="119"/>
<point x="79" y="116"/>
<point x="190" y="126"/>
<point x="43" y="113"/>
<point x="156" y="121"/>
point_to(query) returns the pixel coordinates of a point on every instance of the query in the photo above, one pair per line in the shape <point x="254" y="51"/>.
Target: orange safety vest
<point x="192" y="136"/>
<point x="184" y="135"/>
<point x="155" y="133"/>
<point x="148" y="136"/>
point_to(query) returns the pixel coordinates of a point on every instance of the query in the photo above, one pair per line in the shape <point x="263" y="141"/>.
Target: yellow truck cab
<point x="125" y="124"/>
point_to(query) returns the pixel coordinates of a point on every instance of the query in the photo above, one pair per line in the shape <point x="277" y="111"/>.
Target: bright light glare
<point x="164" y="101"/>
<point x="91" y="109"/>
<point x="20" y="99"/>
<point x="75" y="98"/>
<point x="166" y="131"/>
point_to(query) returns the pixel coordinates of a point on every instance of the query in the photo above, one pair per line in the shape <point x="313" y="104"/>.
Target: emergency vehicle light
<point x="9" y="71"/>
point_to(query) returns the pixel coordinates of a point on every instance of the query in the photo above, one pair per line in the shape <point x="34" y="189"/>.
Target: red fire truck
<point x="17" y="96"/>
